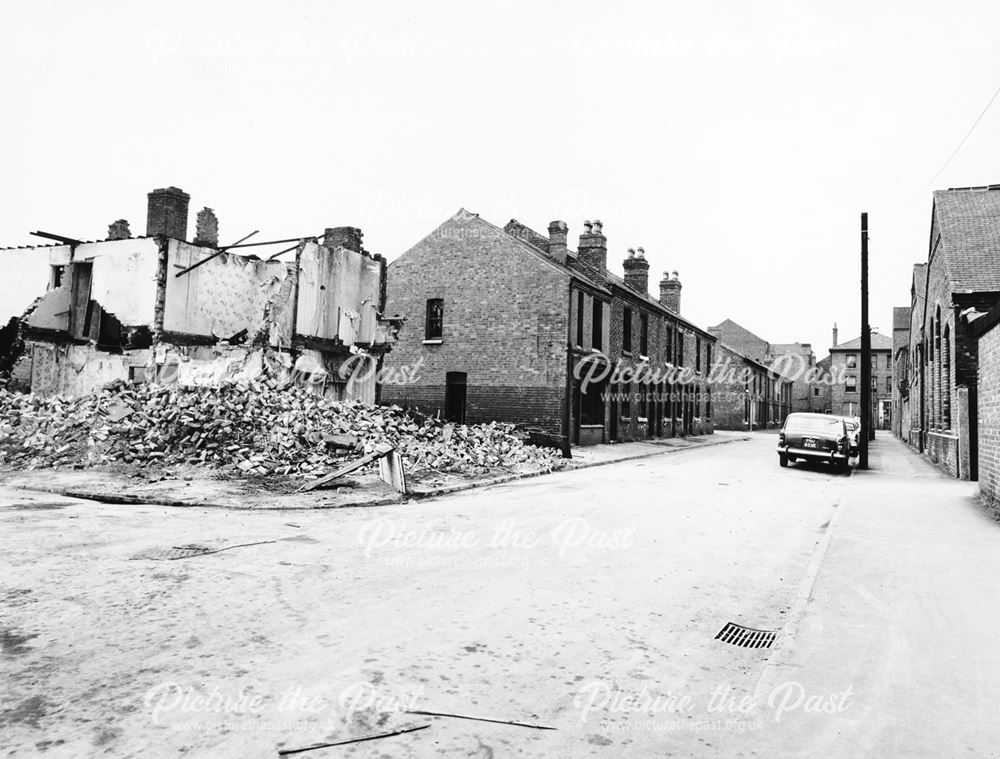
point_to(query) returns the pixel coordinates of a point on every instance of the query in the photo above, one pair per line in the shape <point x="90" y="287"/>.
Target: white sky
<point x="737" y="142"/>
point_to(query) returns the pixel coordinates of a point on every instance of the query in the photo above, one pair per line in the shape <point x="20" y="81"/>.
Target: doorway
<point x="454" y="397"/>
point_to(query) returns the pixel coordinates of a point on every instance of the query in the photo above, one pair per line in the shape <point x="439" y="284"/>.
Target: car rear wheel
<point x="782" y="460"/>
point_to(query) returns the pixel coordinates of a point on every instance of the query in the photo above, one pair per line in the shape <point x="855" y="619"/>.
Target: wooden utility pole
<point x="867" y="433"/>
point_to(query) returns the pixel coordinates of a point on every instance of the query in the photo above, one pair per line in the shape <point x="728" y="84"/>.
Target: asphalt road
<point x="586" y="601"/>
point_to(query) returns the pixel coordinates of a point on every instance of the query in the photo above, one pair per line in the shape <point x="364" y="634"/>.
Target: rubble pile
<point x="262" y="427"/>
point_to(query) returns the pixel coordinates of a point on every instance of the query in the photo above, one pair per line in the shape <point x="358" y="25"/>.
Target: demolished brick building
<point x="160" y="308"/>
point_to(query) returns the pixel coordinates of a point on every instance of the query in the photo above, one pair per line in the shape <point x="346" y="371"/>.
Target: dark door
<point x="454" y="397"/>
<point x="614" y="410"/>
<point x="974" y="431"/>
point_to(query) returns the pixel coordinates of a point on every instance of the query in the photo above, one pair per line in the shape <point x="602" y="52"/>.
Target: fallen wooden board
<point x="346" y="469"/>
<point x="391" y="471"/>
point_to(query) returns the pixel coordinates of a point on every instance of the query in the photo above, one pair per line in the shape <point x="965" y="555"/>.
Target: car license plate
<point x="810" y="442"/>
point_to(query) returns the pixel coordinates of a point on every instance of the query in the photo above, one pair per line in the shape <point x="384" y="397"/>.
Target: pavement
<point x="190" y="486"/>
<point x="589" y="602"/>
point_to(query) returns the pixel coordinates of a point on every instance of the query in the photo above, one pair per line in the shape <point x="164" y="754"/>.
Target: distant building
<point x="845" y="395"/>
<point x="793" y="361"/>
<point x="746" y="393"/>
<point x="900" y="371"/>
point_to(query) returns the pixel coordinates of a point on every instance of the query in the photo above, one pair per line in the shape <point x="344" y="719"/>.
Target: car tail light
<point x="781" y="438"/>
<point x="842" y="444"/>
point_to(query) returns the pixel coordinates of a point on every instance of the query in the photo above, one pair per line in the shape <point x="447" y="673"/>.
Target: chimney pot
<point x="558" y="232"/>
<point x="167" y="212"/>
<point x="119" y="230"/>
<point x="206" y="228"/>
<point x="593" y="247"/>
<point x="636" y="272"/>
<point x="641" y="252"/>
<point x="670" y="292"/>
<point x="598" y="227"/>
<point x="343" y="237"/>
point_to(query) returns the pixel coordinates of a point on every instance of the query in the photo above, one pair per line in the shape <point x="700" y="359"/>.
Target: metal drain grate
<point x="747" y="637"/>
<point x="176" y="552"/>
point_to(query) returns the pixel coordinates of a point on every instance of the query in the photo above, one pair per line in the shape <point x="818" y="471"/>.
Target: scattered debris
<point x="289" y="752"/>
<point x="261" y="427"/>
<point x="481" y="719"/>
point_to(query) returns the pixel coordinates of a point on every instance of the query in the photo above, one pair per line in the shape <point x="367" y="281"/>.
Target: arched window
<point x="946" y="380"/>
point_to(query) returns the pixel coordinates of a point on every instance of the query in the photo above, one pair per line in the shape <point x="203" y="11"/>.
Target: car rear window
<point x="812" y="424"/>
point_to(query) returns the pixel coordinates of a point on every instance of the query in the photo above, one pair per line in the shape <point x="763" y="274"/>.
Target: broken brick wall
<point x="25" y="274"/>
<point x="226" y="296"/>
<point x="339" y="294"/>
<point x="67" y="369"/>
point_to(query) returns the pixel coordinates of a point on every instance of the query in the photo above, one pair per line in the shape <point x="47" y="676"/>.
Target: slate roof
<point x="541" y="253"/>
<point x="745" y="341"/>
<point x="968" y="221"/>
<point x="879" y="343"/>
<point x="540" y="242"/>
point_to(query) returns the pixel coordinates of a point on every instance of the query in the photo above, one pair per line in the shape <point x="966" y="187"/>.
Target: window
<point x="816" y="392"/>
<point x="708" y="357"/>
<point x="579" y="319"/>
<point x="680" y="348"/>
<point x="708" y="398"/>
<point x="434" y="327"/>
<point x="598" y="341"/>
<point x="627" y="330"/>
<point x="888" y="384"/>
<point x="697" y="354"/>
<point x="852" y="361"/>
<point x="670" y="344"/>
<point x="55" y="280"/>
<point x="851" y="384"/>
<point x="946" y="382"/>
<point x="644" y="334"/>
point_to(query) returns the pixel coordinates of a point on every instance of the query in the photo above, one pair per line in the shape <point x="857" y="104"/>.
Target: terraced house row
<point x="512" y="325"/>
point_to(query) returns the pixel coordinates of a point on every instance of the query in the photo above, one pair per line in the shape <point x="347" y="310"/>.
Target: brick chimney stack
<point x="670" y="292"/>
<point x="637" y="270"/>
<point x="119" y="230"/>
<point x="835" y="343"/>
<point x="593" y="248"/>
<point x="206" y="228"/>
<point x="167" y="213"/>
<point x="558" y="232"/>
<point x="343" y="237"/>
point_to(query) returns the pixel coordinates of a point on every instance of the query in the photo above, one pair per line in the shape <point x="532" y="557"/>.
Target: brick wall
<point x="989" y="416"/>
<point x="506" y="324"/>
<point x="728" y="392"/>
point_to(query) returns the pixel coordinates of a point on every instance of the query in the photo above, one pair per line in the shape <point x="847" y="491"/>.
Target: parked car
<point x="815" y="437"/>
<point x="853" y="432"/>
